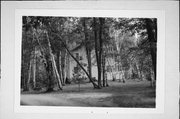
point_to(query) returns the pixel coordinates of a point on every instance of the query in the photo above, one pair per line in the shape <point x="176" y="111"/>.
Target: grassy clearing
<point x="130" y="94"/>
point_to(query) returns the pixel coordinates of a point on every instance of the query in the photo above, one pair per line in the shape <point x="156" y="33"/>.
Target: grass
<point x="129" y="94"/>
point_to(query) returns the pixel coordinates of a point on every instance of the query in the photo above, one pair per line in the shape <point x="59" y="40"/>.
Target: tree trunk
<point x="48" y="67"/>
<point x="103" y="70"/>
<point x="152" y="37"/>
<point x="122" y="72"/>
<point x="62" y="67"/>
<point x="34" y="69"/>
<point x="89" y="64"/>
<point x="50" y="74"/>
<point x="67" y="67"/>
<point x="54" y="63"/>
<point x="24" y="81"/>
<point x="101" y="20"/>
<point x="138" y="70"/>
<point x="64" y="44"/>
<point x="88" y="50"/>
<point x="59" y="65"/>
<point x="96" y="40"/>
<point x="98" y="47"/>
<point x="58" y="62"/>
<point x="94" y="84"/>
<point x="97" y="52"/>
<point x="29" y="76"/>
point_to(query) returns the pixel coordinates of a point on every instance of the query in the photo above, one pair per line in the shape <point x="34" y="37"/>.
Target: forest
<point x="88" y="61"/>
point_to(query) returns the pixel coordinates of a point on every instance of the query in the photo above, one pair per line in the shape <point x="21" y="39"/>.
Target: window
<point x="77" y="56"/>
<point x="80" y="58"/>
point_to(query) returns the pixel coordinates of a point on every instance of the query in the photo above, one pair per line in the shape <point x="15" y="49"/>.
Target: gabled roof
<point x="81" y="45"/>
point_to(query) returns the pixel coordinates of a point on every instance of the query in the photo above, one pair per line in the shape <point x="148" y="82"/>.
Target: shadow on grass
<point x="131" y="94"/>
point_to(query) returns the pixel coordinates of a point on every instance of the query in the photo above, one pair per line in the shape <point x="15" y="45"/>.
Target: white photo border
<point x="160" y="85"/>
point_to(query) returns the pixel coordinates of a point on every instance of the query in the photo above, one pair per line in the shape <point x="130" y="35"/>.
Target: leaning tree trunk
<point x="94" y="84"/>
<point x="64" y="45"/>
<point x="54" y="63"/>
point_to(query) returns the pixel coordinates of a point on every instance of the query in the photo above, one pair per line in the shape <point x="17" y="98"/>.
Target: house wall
<point x="73" y="63"/>
<point x="109" y="62"/>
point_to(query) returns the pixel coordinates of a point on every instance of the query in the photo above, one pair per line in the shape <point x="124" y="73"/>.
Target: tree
<point x="146" y="29"/>
<point x="151" y="26"/>
<point x="98" y="46"/>
<point x="87" y="47"/>
<point x="76" y="60"/>
<point x="53" y="63"/>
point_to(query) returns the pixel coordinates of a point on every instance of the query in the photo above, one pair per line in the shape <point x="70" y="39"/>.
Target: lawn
<point x="129" y="94"/>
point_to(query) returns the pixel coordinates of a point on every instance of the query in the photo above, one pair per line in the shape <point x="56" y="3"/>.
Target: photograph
<point x="88" y="61"/>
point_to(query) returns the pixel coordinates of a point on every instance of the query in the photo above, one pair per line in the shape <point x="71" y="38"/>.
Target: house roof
<point x="81" y="45"/>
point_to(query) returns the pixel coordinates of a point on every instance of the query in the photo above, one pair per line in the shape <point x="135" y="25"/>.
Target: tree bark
<point x="88" y="50"/>
<point x="89" y="64"/>
<point x="29" y="76"/>
<point x="96" y="41"/>
<point x="103" y="70"/>
<point x="101" y="20"/>
<point x="98" y="47"/>
<point x="58" y="62"/>
<point x="122" y="73"/>
<point x="34" y="68"/>
<point x="68" y="67"/>
<point x="54" y="63"/>
<point x="49" y="71"/>
<point x="152" y="37"/>
<point x="62" y="67"/>
<point x="59" y="65"/>
<point x="48" y="67"/>
<point x="138" y="70"/>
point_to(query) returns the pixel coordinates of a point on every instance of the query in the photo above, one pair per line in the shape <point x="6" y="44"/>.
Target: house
<point x="113" y="66"/>
<point x="80" y="54"/>
<point x="113" y="69"/>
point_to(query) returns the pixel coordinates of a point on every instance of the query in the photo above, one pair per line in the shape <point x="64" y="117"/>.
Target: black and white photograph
<point x="88" y="61"/>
